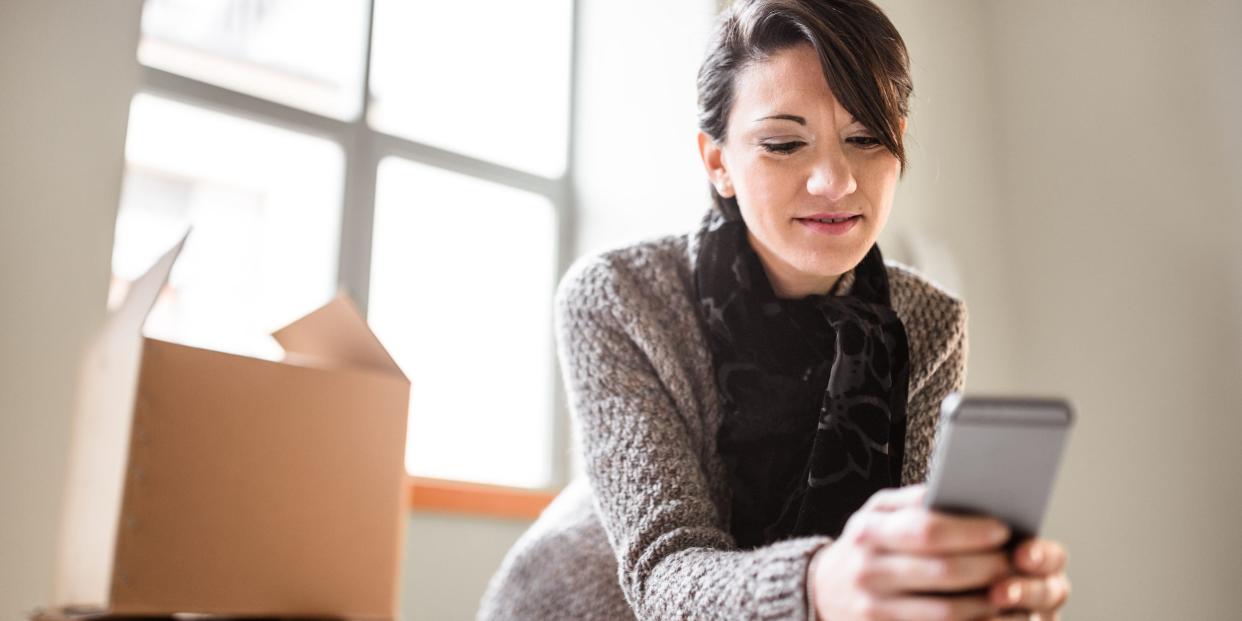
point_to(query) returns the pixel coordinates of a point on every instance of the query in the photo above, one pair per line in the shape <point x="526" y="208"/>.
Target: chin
<point x="831" y="261"/>
<point x="830" y="269"/>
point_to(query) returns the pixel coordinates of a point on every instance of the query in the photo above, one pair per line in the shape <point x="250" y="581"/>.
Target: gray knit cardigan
<point x="645" y="533"/>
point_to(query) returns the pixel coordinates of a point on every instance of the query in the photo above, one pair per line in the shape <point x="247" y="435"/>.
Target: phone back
<point x="999" y="457"/>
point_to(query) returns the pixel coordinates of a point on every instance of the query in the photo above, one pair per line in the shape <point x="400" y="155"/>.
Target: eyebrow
<point x="784" y="117"/>
<point x="793" y="117"/>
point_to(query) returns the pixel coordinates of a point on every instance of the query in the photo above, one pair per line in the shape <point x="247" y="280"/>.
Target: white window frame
<point x="364" y="147"/>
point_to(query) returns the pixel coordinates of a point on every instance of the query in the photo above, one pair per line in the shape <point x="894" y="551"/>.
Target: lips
<point x="830" y="223"/>
<point x="830" y="218"/>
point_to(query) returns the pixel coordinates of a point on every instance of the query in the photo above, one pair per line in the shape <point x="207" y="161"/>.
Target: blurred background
<point x="1074" y="177"/>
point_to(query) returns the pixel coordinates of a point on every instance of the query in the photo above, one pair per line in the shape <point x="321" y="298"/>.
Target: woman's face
<point x="793" y="154"/>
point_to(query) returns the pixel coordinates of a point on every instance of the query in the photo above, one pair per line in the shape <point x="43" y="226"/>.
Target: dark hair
<point x="864" y="60"/>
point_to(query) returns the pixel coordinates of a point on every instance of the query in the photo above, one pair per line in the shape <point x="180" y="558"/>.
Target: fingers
<point x="1040" y="557"/>
<point x="888" y="573"/>
<point x="891" y="499"/>
<point x="904" y="608"/>
<point x="1027" y="616"/>
<point x="909" y="554"/>
<point x="1040" y="594"/>
<point x="915" y="530"/>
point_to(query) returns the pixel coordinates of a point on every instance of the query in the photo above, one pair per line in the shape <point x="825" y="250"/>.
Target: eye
<point x="864" y="142"/>
<point x="784" y="148"/>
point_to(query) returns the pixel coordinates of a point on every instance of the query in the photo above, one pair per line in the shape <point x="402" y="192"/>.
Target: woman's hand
<point x="1041" y="586"/>
<point x="898" y="560"/>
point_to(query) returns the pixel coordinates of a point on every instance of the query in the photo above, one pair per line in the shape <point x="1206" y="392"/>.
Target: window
<point x="411" y="152"/>
<point x="459" y="291"/>
<point x="505" y="101"/>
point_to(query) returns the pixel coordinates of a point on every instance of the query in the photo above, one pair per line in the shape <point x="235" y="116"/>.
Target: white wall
<point x="448" y="560"/>
<point x="67" y="72"/>
<point x="947" y="211"/>
<point x="635" y="156"/>
<point x="1079" y="159"/>
<point x="1120" y="151"/>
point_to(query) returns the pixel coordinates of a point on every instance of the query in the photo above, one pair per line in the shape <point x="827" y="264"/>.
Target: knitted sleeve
<point x="936" y="325"/>
<point x="674" y="560"/>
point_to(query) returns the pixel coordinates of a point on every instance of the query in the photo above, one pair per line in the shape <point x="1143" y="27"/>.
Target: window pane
<point x="303" y="53"/>
<point x="461" y="291"/>
<point x="489" y="79"/>
<point x="264" y="204"/>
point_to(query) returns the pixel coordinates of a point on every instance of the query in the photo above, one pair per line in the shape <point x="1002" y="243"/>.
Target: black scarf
<point x="814" y="390"/>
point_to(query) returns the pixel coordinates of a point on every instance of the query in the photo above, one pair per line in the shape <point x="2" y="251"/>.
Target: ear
<point x="713" y="163"/>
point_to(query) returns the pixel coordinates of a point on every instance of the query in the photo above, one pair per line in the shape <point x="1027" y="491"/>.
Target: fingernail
<point x="1000" y="534"/>
<point x="1013" y="593"/>
<point x="1035" y="554"/>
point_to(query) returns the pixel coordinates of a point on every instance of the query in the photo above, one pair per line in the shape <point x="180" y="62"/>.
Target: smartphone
<point x="998" y="456"/>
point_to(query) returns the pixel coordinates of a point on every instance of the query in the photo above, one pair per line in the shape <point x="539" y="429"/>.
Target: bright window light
<point x="496" y="89"/>
<point x="462" y="269"/>
<point x="264" y="204"/>
<point x="303" y="53"/>
<point x="461" y="290"/>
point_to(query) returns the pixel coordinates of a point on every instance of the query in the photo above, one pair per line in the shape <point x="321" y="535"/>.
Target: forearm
<point x="769" y="582"/>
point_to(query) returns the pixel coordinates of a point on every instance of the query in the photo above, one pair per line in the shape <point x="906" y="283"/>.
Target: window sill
<point x="476" y="499"/>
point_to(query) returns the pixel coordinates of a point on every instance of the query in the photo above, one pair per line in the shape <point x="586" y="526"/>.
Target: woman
<point x="750" y="396"/>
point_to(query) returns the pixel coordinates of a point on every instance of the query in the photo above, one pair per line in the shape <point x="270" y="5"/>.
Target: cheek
<point x="878" y="182"/>
<point x="766" y="190"/>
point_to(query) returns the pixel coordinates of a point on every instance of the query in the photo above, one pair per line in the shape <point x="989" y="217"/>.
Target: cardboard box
<point x="208" y="482"/>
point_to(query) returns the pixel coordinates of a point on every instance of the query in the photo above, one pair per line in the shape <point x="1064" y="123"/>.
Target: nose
<point x="832" y="177"/>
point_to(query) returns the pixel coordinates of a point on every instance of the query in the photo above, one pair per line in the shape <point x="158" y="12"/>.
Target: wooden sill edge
<point x="444" y="496"/>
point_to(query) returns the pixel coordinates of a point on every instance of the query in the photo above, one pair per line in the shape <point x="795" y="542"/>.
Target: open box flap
<point x="128" y="318"/>
<point x="99" y="442"/>
<point x="337" y="331"/>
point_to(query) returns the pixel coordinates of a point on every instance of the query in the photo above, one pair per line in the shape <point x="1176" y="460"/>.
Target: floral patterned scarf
<point x="814" y="389"/>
